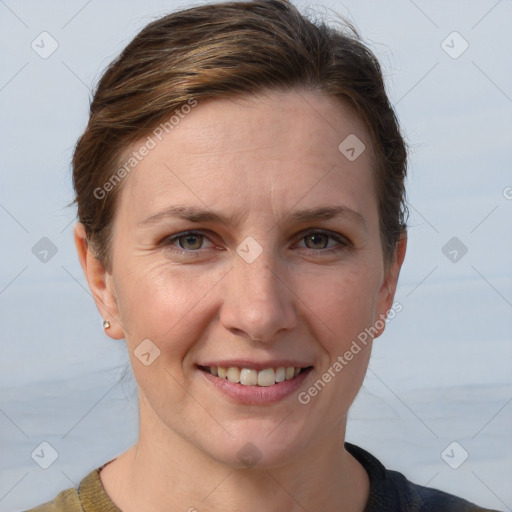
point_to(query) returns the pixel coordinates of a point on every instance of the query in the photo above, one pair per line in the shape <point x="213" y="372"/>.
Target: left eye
<point x="321" y="240"/>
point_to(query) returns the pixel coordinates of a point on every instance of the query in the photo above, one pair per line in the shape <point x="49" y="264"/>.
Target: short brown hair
<point x="221" y="50"/>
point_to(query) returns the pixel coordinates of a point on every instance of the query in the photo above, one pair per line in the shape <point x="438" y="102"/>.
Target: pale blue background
<point x="441" y="372"/>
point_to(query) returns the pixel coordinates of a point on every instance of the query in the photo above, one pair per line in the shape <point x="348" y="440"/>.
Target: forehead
<point x="264" y="152"/>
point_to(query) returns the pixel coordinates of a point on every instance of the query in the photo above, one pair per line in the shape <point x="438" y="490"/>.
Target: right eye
<point x="190" y="241"/>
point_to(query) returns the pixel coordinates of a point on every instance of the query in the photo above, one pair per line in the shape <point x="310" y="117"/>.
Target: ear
<point x="388" y="288"/>
<point x="100" y="283"/>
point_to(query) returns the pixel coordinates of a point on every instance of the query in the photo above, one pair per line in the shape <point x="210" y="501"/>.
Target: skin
<point x="257" y="160"/>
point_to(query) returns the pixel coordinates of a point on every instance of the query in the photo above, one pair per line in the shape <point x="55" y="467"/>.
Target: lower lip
<point x="254" y="395"/>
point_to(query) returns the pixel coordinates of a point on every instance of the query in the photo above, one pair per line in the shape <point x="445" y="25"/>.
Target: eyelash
<point x="342" y="242"/>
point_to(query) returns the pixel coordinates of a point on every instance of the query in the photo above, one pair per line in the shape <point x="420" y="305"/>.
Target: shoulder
<point x="89" y="497"/>
<point x="391" y="491"/>
<point x="65" y="501"/>
<point x="426" y="499"/>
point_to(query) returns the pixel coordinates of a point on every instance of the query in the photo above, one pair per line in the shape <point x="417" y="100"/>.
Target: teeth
<point x="251" y="377"/>
<point x="248" y="377"/>
<point x="233" y="374"/>
<point x="280" y="374"/>
<point x="267" y="377"/>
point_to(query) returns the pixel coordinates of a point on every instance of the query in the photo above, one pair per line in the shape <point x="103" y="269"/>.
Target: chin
<point x="258" y="445"/>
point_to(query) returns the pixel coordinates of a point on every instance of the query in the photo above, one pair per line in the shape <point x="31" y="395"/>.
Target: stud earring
<point x="106" y="324"/>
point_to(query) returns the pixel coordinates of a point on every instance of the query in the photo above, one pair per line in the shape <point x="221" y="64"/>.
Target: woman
<point x="240" y="192"/>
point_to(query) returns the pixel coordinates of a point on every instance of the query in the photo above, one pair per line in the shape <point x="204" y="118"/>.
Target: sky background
<point x="440" y="374"/>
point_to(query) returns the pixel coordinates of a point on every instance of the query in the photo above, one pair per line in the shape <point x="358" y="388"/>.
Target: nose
<point x="258" y="303"/>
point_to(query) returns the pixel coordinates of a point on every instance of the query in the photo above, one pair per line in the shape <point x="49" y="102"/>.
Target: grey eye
<point x="318" y="241"/>
<point x="190" y="242"/>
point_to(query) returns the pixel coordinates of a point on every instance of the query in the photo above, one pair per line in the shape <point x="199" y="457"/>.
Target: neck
<point x="163" y="471"/>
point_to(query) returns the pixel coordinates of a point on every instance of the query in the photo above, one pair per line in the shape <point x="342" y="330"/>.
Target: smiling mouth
<point x="251" y="377"/>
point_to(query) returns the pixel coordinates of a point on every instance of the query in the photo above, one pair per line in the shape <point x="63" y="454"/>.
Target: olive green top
<point x="89" y="497"/>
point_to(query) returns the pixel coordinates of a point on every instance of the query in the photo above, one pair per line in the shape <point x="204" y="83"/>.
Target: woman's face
<point x="246" y="238"/>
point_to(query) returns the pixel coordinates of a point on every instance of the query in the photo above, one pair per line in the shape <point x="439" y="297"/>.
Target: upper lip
<point x="253" y="365"/>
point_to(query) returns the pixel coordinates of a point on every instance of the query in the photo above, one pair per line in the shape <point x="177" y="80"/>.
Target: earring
<point x="106" y="324"/>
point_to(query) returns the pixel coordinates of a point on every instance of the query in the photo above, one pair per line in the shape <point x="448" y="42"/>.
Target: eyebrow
<point x="194" y="214"/>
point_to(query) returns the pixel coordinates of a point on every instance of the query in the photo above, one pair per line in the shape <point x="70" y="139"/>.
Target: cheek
<point x="165" y="303"/>
<point x="343" y="305"/>
<point x="174" y="309"/>
<point x="339" y="309"/>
